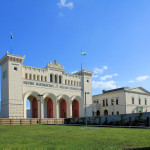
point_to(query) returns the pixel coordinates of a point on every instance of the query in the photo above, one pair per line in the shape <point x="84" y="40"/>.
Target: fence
<point x="7" y="121"/>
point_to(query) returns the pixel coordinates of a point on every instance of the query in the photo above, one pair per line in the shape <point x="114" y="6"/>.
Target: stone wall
<point x="136" y="119"/>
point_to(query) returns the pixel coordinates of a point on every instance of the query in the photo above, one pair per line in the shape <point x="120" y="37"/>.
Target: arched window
<point x="60" y="79"/>
<point x="65" y="81"/>
<point x="71" y="82"/>
<point x="41" y="78"/>
<point x="68" y="82"/>
<point x="55" y="78"/>
<point x="34" y="77"/>
<point x="45" y="79"/>
<point x="105" y="112"/>
<point x="26" y="76"/>
<point x="30" y="76"/>
<point x="98" y="113"/>
<point x="51" y="78"/>
<point x="38" y="77"/>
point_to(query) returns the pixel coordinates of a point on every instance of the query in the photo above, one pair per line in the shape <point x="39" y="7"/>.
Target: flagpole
<point x="11" y="41"/>
<point x="81" y="59"/>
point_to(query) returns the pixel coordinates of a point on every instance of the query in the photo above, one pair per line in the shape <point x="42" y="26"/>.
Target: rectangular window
<point x="30" y="76"/>
<point x="34" y="77"/>
<point x="112" y="101"/>
<point x="132" y="100"/>
<point x="117" y="102"/>
<point x="45" y="79"/>
<point x="145" y="101"/>
<point x="106" y="102"/>
<point x="103" y="102"/>
<point x="139" y="101"/>
<point x="4" y="74"/>
<point x="26" y="76"/>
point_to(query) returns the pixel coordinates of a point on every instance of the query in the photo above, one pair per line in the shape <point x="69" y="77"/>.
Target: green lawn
<point x="68" y="137"/>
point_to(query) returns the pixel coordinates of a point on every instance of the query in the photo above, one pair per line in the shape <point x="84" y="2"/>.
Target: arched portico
<point x="49" y="105"/>
<point x="75" y="109"/>
<point x="33" y="98"/>
<point x="76" y="106"/>
<point x="63" y="106"/>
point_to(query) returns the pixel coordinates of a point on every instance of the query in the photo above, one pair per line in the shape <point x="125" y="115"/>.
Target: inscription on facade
<point x="51" y="85"/>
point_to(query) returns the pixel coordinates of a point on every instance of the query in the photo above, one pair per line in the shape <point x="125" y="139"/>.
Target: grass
<point x="68" y="137"/>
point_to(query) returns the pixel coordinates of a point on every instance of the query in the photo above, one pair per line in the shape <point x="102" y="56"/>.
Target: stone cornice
<point x="11" y="57"/>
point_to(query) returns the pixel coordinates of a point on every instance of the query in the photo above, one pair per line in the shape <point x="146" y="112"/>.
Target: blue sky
<point x="114" y="34"/>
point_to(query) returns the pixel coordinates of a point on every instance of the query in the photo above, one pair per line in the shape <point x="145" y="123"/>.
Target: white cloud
<point x="100" y="71"/>
<point x="131" y="81"/>
<point x="142" y="78"/>
<point x="104" y="85"/>
<point x="108" y="76"/>
<point x="64" y="3"/>
<point x="95" y="76"/>
<point x="74" y="72"/>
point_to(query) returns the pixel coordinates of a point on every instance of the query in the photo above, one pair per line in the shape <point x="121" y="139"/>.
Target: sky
<point x="114" y="34"/>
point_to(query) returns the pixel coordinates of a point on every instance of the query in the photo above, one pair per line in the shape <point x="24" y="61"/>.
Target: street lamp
<point x="85" y="108"/>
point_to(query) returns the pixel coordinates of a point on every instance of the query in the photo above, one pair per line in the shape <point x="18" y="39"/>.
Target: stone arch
<point x="33" y="96"/>
<point x="78" y="99"/>
<point x="75" y="108"/>
<point x="98" y="113"/>
<point x="52" y="108"/>
<point x="105" y="112"/>
<point x="67" y="104"/>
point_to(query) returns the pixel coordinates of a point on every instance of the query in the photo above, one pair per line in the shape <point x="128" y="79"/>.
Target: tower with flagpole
<point x="11" y="40"/>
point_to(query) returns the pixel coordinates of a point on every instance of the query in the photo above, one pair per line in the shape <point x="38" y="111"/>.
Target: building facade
<point x="121" y="101"/>
<point x="52" y="92"/>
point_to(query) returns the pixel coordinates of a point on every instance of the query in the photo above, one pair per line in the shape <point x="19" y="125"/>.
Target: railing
<point x="32" y="121"/>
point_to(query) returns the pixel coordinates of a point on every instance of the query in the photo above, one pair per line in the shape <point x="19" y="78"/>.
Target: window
<point x="74" y="83"/>
<point x="26" y="76"/>
<point x="30" y="76"/>
<point x="139" y="101"/>
<point x="45" y="79"/>
<point x="68" y="82"/>
<point x="4" y="74"/>
<point x="34" y="77"/>
<point x="117" y="112"/>
<point x="132" y="100"/>
<point x="77" y="83"/>
<point x="15" y="68"/>
<point x="145" y="101"/>
<point x="112" y="101"/>
<point x="38" y="77"/>
<point x="103" y="102"/>
<point x="51" y="78"/>
<point x="55" y="78"/>
<point x="71" y="82"/>
<point x="87" y="80"/>
<point x="41" y="78"/>
<point x="60" y="79"/>
<point x="65" y="81"/>
<point x="117" y="102"/>
<point x="106" y="102"/>
<point x="112" y="113"/>
<point x="97" y="101"/>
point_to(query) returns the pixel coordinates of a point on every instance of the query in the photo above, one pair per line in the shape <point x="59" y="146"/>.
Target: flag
<point x="83" y="53"/>
<point x="11" y="36"/>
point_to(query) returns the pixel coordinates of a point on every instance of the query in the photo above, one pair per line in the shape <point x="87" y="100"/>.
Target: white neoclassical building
<point x="121" y="101"/>
<point x="52" y="92"/>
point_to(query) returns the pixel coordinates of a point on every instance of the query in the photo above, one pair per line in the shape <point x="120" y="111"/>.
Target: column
<point x="39" y="108"/>
<point x="57" y="109"/>
<point x="42" y="110"/>
<point x="70" y="115"/>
